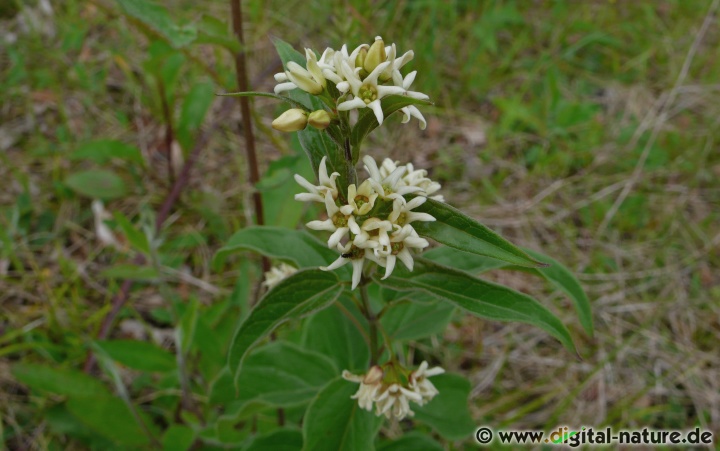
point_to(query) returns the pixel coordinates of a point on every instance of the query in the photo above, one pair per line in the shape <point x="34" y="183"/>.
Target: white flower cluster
<point x="363" y="77"/>
<point x="375" y="222"/>
<point x="390" y="398"/>
<point x="277" y="274"/>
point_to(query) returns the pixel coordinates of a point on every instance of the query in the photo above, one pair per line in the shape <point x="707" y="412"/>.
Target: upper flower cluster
<point x="362" y="77"/>
<point x="375" y="222"/>
<point x="390" y="395"/>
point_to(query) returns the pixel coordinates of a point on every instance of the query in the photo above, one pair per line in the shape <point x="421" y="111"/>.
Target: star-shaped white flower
<point x="373" y="233"/>
<point x="402" y="213"/>
<point x="362" y="199"/>
<point x="366" y="92"/>
<point x="317" y="193"/>
<point x="401" y="241"/>
<point x="387" y="187"/>
<point x="277" y="274"/>
<point x="394" y="401"/>
<point x="419" y="383"/>
<point x="337" y="222"/>
<point x="350" y="254"/>
<point x="370" y="385"/>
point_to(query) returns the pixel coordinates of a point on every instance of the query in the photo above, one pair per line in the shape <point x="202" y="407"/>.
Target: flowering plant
<point x="389" y="212"/>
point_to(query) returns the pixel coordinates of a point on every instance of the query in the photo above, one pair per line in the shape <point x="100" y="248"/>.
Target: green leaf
<point x="296" y="296"/>
<point x="411" y="320"/>
<point x="278" y="186"/>
<point x="283" y="374"/>
<point x="453" y="228"/>
<point x="280" y="440"/>
<point x="111" y="418"/>
<point x="188" y="325"/>
<point x="413" y="441"/>
<point x="215" y="31"/>
<point x="289" y="100"/>
<point x="455" y="258"/>
<point x="334" y="422"/>
<point x="293" y="246"/>
<point x="562" y="278"/>
<point x="330" y="332"/>
<point x="194" y="108"/>
<point x="477" y="296"/>
<point x="139" y="355"/>
<point x="557" y="274"/>
<point x="97" y="184"/>
<point x="316" y="143"/>
<point x="178" y="438"/>
<point x="136" y="238"/>
<point x="367" y="122"/>
<point x="61" y="381"/>
<point x="158" y="19"/>
<point x="448" y="412"/>
<point x="130" y="271"/>
<point x="103" y="150"/>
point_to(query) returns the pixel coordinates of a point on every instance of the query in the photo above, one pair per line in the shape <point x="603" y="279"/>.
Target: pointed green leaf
<point x="334" y="422"/>
<point x="303" y="293"/>
<point x="139" y="355"/>
<point x="103" y="150"/>
<point x="448" y="412"/>
<point x="158" y="19"/>
<point x="283" y="374"/>
<point x="409" y="320"/>
<point x="367" y="122"/>
<point x="294" y="246"/>
<point x="331" y="333"/>
<point x="279" y="440"/>
<point x="178" y="437"/>
<point x="111" y="418"/>
<point x="97" y="184"/>
<point x="482" y="298"/>
<point x="134" y="236"/>
<point x="194" y="108"/>
<point x="557" y="274"/>
<point x="61" y="381"/>
<point x="453" y="228"/>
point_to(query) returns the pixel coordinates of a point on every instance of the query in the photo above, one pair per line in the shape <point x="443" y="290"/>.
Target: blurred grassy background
<point x="568" y="126"/>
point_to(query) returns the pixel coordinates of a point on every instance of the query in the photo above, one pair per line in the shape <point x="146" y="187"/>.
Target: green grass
<point x="542" y="113"/>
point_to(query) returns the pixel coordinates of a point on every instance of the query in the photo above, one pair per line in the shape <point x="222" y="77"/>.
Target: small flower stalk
<point x="392" y="388"/>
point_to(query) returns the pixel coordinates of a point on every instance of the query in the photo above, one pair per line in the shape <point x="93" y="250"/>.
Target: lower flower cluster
<point x="375" y="222"/>
<point x="390" y="395"/>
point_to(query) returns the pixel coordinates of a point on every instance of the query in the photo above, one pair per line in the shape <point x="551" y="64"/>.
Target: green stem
<point x="372" y="321"/>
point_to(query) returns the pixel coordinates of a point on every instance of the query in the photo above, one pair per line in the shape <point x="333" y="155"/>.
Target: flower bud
<point x="314" y="68"/>
<point x="360" y="58"/>
<point x="375" y="55"/>
<point x="292" y="120"/>
<point x="319" y="119"/>
<point x="373" y="376"/>
<point x="303" y="79"/>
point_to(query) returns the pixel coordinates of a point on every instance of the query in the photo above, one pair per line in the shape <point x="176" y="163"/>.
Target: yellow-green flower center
<point x="395" y="248"/>
<point x="354" y="254"/>
<point x="339" y="220"/>
<point x="402" y="219"/>
<point x="368" y="93"/>
<point x="360" y="201"/>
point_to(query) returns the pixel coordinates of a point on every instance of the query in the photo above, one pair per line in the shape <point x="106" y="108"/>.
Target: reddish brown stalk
<point x="245" y="126"/>
<point x="169" y="134"/>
